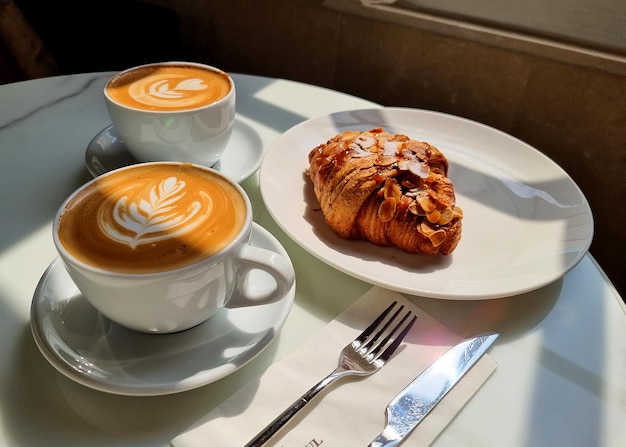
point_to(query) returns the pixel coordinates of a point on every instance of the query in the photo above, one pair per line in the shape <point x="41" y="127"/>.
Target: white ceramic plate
<point x="526" y="223"/>
<point x="88" y="348"/>
<point x="242" y="158"/>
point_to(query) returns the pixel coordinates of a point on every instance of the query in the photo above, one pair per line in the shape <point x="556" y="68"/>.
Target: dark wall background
<point x="98" y="35"/>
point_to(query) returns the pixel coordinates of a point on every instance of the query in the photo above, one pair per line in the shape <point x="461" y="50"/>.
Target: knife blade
<point x="414" y="402"/>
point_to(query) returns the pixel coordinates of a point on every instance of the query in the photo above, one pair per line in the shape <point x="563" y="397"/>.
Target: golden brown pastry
<point x="386" y="189"/>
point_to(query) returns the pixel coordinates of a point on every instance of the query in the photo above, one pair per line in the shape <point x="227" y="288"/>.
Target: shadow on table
<point x="74" y="416"/>
<point x="512" y="317"/>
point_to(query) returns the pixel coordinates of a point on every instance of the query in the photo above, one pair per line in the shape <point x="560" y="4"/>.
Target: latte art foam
<point x="152" y="218"/>
<point x="168" y="87"/>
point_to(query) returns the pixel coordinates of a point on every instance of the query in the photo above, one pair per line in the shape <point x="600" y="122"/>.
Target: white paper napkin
<point x="352" y="412"/>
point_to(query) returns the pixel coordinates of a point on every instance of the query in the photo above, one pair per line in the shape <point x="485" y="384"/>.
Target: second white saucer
<point x="242" y="158"/>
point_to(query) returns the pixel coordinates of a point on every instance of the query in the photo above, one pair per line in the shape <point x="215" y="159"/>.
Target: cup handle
<point x="255" y="258"/>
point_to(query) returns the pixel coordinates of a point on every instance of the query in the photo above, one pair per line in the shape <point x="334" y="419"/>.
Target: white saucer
<point x="106" y="151"/>
<point x="88" y="348"/>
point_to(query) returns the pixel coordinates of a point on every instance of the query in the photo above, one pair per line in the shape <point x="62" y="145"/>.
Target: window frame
<point x="486" y="33"/>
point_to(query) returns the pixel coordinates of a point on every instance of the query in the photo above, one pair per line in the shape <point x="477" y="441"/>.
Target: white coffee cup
<point x="173" y="111"/>
<point x="160" y="247"/>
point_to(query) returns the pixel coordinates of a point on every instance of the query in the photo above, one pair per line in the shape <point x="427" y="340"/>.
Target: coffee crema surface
<point x="168" y="87"/>
<point x="152" y="218"/>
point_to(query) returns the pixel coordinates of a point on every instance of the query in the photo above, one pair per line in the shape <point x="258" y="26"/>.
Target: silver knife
<point x="413" y="403"/>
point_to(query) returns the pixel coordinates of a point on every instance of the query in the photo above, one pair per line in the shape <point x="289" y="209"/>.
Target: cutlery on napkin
<point x="348" y="414"/>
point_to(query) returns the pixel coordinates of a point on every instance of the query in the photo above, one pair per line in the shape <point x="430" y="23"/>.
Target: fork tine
<point x="373" y="342"/>
<point x="366" y="333"/>
<point x="393" y="346"/>
<point x="371" y="347"/>
<point x="373" y="351"/>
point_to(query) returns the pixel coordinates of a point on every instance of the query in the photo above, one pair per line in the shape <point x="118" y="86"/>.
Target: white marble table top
<point x="561" y="377"/>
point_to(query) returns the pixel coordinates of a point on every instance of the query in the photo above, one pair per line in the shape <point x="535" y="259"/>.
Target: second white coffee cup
<point x="173" y="111"/>
<point x="160" y="247"/>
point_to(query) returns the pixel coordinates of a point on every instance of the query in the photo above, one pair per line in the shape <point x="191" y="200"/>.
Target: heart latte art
<point x="168" y="87"/>
<point x="152" y="218"/>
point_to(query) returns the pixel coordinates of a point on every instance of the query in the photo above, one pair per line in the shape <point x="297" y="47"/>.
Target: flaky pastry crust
<point x="387" y="189"/>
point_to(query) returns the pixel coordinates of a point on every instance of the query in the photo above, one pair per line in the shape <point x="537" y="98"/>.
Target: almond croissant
<point x="386" y="189"/>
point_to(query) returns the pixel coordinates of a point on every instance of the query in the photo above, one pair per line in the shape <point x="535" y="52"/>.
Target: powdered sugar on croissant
<point x="387" y="189"/>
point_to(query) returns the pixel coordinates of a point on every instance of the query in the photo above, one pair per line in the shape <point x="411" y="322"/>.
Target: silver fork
<point x="365" y="355"/>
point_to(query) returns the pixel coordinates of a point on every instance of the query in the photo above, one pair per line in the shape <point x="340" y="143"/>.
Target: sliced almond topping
<point x="437" y="238"/>
<point x="408" y="183"/>
<point x="433" y="216"/>
<point x="458" y="212"/>
<point x="390" y="148"/>
<point x="392" y="189"/>
<point x="426" y="203"/>
<point x="425" y="229"/>
<point x="442" y="191"/>
<point x="397" y="192"/>
<point x="416" y="209"/>
<point x="446" y="216"/>
<point x="387" y="209"/>
<point x="365" y="141"/>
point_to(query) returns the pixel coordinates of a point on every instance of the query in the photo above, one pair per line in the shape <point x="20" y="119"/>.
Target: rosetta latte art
<point x="152" y="217"/>
<point x="156" y="217"/>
